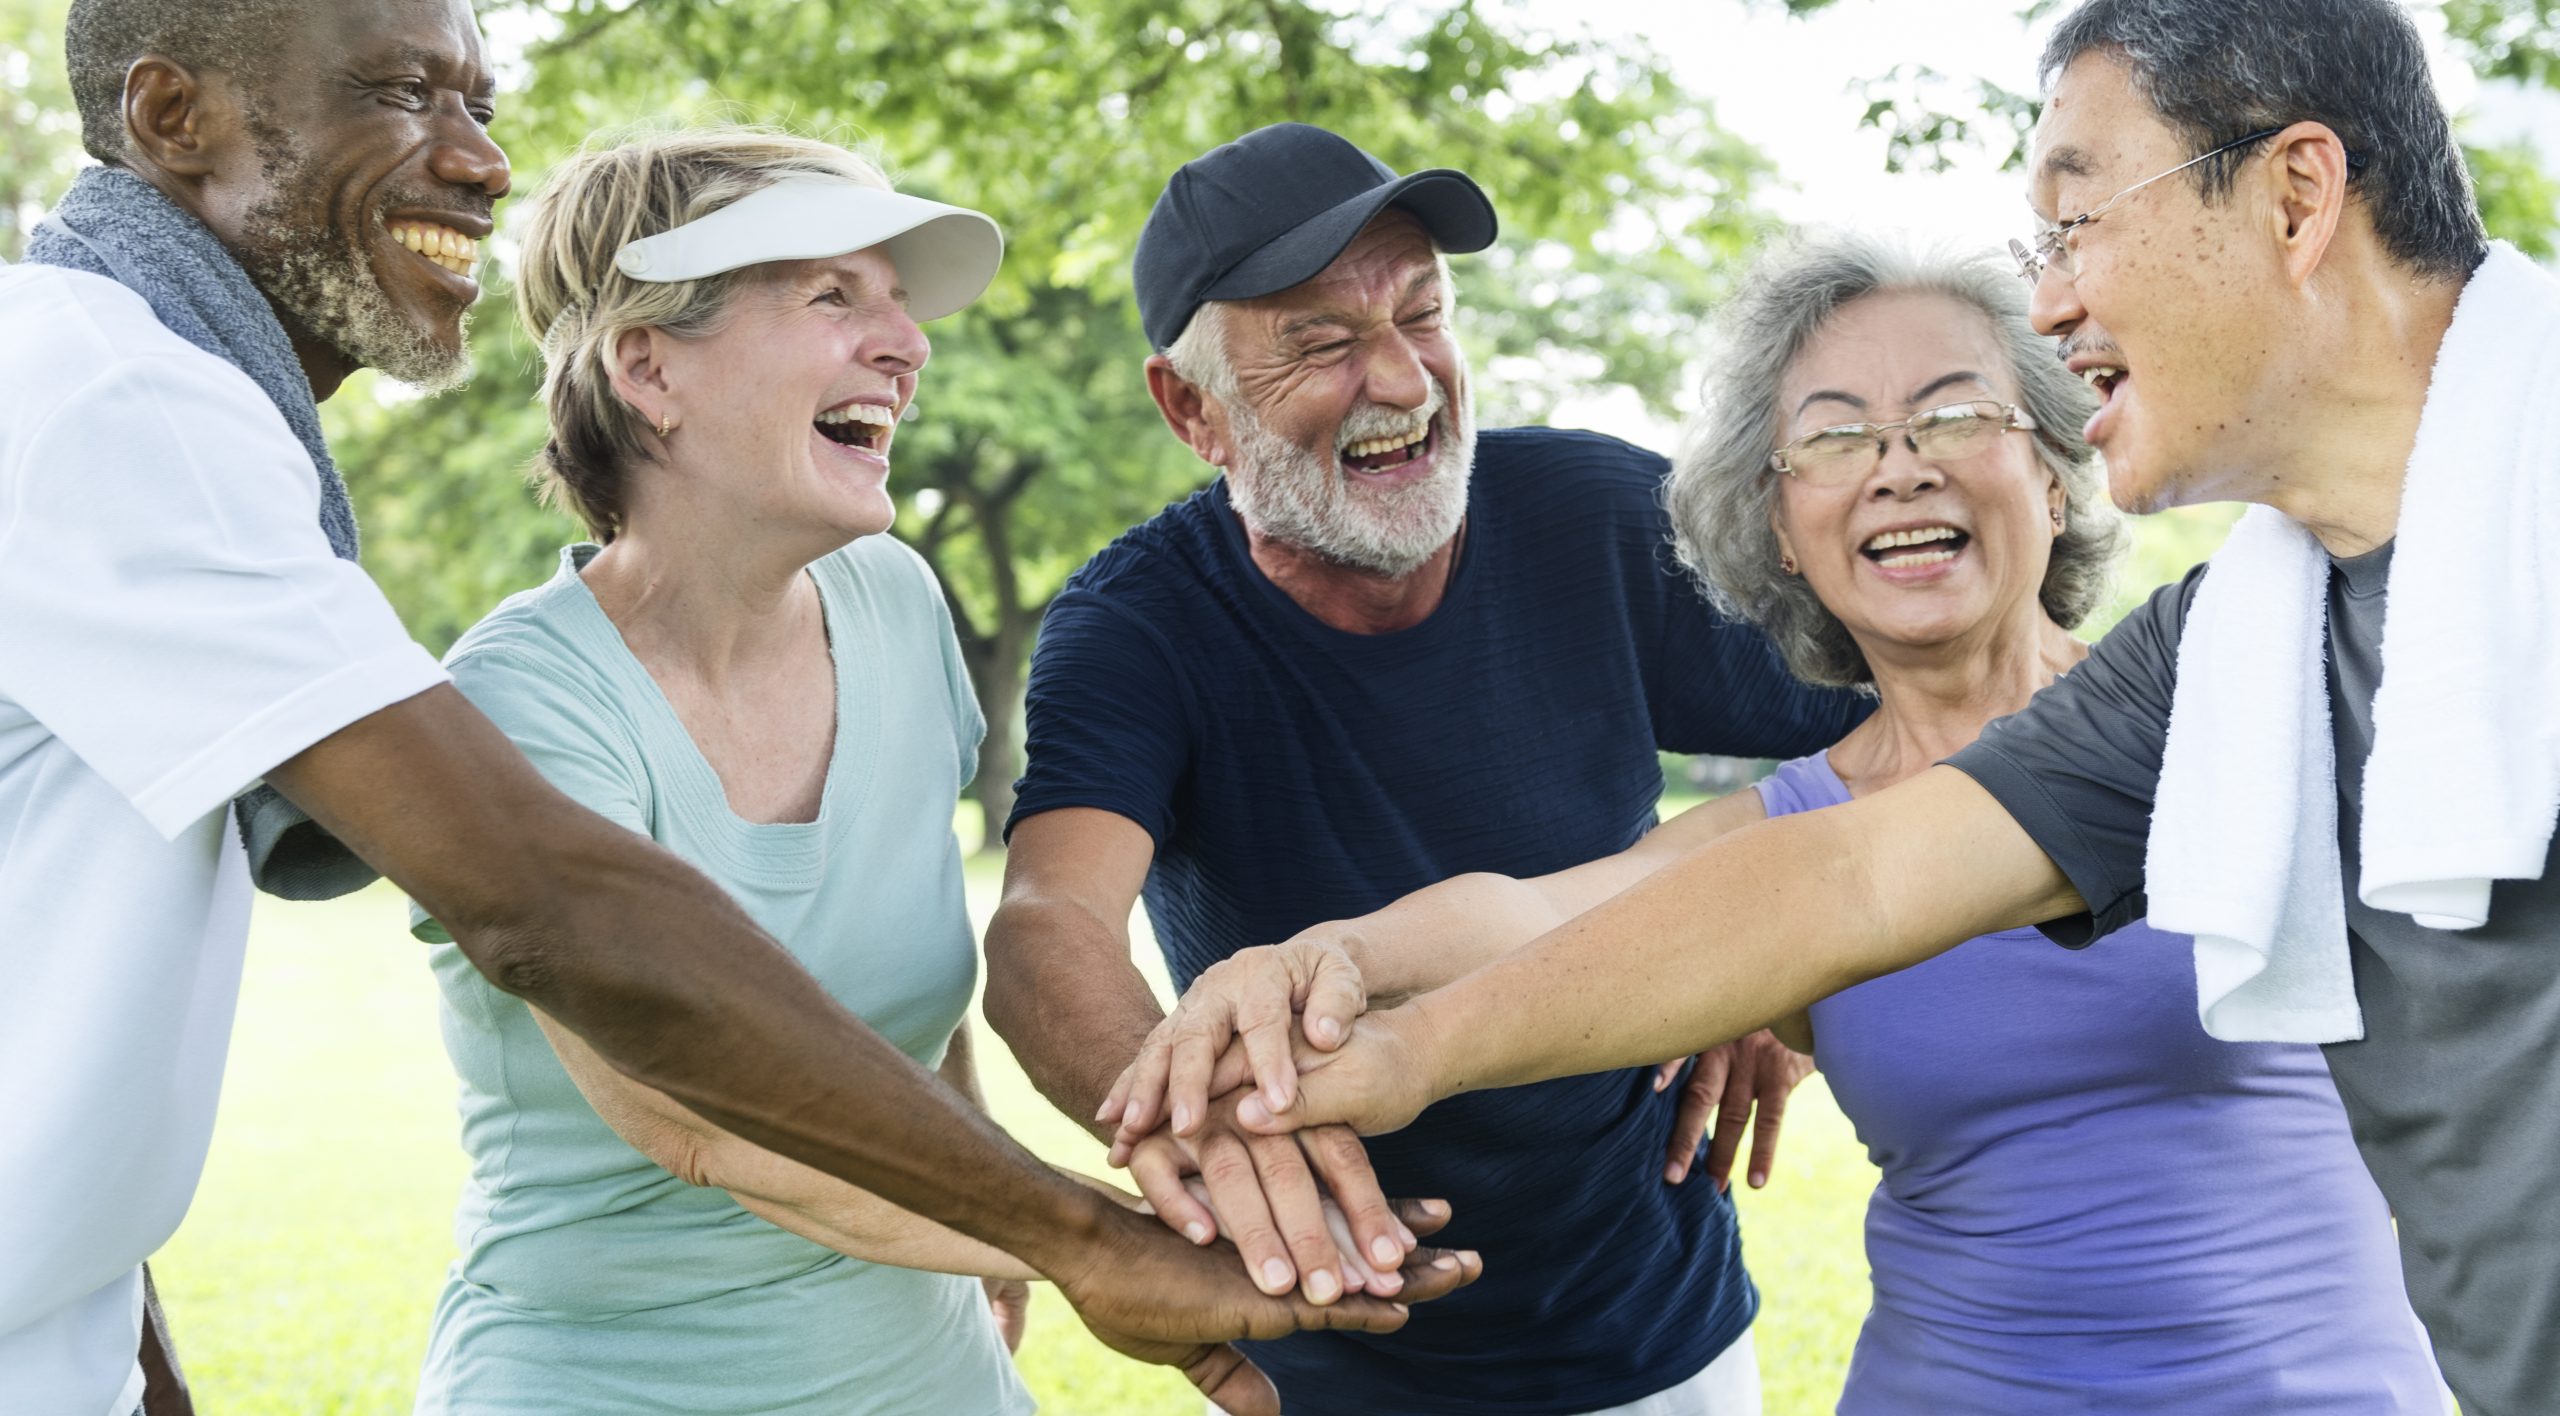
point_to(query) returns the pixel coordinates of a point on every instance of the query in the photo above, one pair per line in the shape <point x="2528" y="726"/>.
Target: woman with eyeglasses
<point x="2087" y="1204"/>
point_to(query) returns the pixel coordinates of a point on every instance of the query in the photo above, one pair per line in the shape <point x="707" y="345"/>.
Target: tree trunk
<point x="998" y="669"/>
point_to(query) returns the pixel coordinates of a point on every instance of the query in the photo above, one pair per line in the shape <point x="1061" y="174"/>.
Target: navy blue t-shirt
<point x="1292" y="773"/>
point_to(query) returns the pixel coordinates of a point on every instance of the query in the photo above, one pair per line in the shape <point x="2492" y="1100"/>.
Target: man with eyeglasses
<point x="2264" y="252"/>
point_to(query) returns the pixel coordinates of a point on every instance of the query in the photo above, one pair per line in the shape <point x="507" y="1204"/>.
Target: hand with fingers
<point x="1742" y="1085"/>
<point x="1305" y="1211"/>
<point x="1267" y="1000"/>
<point x="1148" y="1295"/>
<point x="1009" y="1301"/>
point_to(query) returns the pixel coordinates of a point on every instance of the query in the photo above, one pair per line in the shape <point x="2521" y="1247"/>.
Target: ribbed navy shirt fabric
<point x="1292" y="773"/>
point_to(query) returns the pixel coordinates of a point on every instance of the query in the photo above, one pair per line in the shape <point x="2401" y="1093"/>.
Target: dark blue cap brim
<point x="1448" y="204"/>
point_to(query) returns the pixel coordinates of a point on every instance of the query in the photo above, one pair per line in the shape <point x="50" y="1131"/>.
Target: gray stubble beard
<point x="326" y="282"/>
<point x="1304" y="498"/>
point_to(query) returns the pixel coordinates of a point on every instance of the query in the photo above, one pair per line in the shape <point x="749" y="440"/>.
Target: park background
<point x="1640" y="153"/>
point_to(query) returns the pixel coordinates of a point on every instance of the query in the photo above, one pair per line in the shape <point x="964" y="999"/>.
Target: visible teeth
<point x="1371" y="447"/>
<point x="859" y="413"/>
<point x="2098" y="372"/>
<point x="1917" y="536"/>
<point x="442" y="244"/>
<point x="1922" y="558"/>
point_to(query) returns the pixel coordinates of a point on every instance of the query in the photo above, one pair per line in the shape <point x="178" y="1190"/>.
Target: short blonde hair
<point x="577" y="304"/>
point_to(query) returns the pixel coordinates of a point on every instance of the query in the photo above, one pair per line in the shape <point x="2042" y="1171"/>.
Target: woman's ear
<point x="1786" y="548"/>
<point x="639" y="371"/>
<point x="2057" y="501"/>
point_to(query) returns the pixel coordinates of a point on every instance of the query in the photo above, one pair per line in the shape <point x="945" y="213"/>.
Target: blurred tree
<point x="1623" y="203"/>
<point x="39" y="134"/>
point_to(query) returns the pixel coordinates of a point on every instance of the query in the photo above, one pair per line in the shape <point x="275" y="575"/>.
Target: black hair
<point x="242" y="38"/>
<point x="2216" y="71"/>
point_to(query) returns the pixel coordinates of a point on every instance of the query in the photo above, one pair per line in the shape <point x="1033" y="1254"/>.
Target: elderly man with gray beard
<point x="1380" y="650"/>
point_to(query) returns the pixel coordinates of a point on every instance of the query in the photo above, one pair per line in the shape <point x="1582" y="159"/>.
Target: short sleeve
<point x="2078" y="766"/>
<point x="571" y="739"/>
<point x="172" y="612"/>
<point x="1104" y="717"/>
<point x="1719" y="687"/>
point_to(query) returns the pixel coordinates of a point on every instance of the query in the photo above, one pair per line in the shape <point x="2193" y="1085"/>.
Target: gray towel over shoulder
<point x="115" y="225"/>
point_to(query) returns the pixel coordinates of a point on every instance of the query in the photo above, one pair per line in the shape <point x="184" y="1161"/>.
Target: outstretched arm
<point x="783" y="1192"/>
<point x="1315" y="983"/>
<point x="1752" y="927"/>
<point x="660" y="972"/>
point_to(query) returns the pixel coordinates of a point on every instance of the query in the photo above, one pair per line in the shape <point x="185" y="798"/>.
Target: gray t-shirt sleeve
<point x="2078" y="765"/>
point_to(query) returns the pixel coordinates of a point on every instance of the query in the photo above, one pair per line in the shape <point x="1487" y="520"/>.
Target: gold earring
<point x="1787" y="563"/>
<point x="666" y="424"/>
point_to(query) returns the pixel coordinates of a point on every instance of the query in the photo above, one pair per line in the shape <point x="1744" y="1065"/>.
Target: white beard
<point x="1304" y="498"/>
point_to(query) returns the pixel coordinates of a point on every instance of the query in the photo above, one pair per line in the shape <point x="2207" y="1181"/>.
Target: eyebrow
<point x="1320" y="318"/>
<point x="434" y="62"/>
<point x="2065" y="161"/>
<point x="1943" y="380"/>
<point x="831" y="273"/>
<point x="1926" y="389"/>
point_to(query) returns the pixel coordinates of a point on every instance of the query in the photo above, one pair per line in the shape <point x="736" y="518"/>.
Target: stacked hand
<point x="1150" y="1296"/>
<point x="1290" y="1021"/>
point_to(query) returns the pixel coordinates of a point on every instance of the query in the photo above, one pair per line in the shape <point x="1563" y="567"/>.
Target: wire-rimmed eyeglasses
<point x="1847" y="452"/>
<point x="2052" y="249"/>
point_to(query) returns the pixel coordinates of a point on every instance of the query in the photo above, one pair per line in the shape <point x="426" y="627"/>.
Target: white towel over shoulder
<point x="2464" y="781"/>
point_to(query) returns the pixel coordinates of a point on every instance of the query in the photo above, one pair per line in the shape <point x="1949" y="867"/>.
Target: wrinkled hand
<point x="1009" y="1299"/>
<point x="1730" y="1082"/>
<point x="1270" y="1195"/>
<point x="1375" y="1082"/>
<point x="1255" y="995"/>
<point x="1148" y="1295"/>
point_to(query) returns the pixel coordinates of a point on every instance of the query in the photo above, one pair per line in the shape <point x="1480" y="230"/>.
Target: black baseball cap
<point x="1274" y="208"/>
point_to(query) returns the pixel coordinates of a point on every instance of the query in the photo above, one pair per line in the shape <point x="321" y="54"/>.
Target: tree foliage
<point x="39" y="132"/>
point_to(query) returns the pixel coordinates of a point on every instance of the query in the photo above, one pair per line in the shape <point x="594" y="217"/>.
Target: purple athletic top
<point x="2088" y="1205"/>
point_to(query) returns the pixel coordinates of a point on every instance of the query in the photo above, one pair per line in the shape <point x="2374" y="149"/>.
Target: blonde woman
<point x="743" y="668"/>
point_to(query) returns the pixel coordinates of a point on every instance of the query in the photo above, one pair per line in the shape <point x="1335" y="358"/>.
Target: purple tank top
<point x="2088" y="1205"/>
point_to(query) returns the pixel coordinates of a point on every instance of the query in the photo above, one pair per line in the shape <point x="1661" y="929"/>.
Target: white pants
<point x="1727" y="1386"/>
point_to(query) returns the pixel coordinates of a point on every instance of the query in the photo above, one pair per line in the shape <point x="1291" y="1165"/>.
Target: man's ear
<point x="1193" y="415"/>
<point x="639" y="371"/>
<point x="2309" y="176"/>
<point x="172" y="120"/>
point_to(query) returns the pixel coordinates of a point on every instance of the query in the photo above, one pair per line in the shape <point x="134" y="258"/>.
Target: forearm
<point x="1064" y="996"/>
<point x="639" y="954"/>
<point x="1752" y="927"/>
<point x="1439" y="934"/>
<point x="1435" y="935"/>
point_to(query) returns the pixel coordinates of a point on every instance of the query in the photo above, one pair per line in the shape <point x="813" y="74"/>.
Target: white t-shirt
<point x="172" y="625"/>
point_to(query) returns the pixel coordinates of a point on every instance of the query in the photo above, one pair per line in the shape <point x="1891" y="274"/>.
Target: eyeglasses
<point x="2052" y="251"/>
<point x="1838" y="456"/>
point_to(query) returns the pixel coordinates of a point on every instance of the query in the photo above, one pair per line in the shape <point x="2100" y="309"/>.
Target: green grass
<point x="302" y="1280"/>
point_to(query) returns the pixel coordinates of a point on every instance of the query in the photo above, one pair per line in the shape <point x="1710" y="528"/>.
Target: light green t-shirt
<point x="590" y="1279"/>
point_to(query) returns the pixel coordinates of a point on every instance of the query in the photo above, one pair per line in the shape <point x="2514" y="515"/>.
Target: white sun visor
<point x="945" y="255"/>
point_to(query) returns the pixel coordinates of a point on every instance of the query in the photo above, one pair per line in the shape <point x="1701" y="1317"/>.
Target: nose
<point x="896" y="345"/>
<point x="466" y="156"/>
<point x="2053" y="305"/>
<point x="1396" y="376"/>
<point x="1902" y="473"/>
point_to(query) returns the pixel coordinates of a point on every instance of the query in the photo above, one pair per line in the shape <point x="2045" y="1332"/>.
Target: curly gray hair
<point x="1721" y="491"/>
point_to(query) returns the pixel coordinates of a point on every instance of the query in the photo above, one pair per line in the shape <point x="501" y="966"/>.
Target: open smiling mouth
<point x="864" y="427"/>
<point x="1919" y="546"/>
<point x="1394" y="452"/>
<point x="441" y="245"/>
